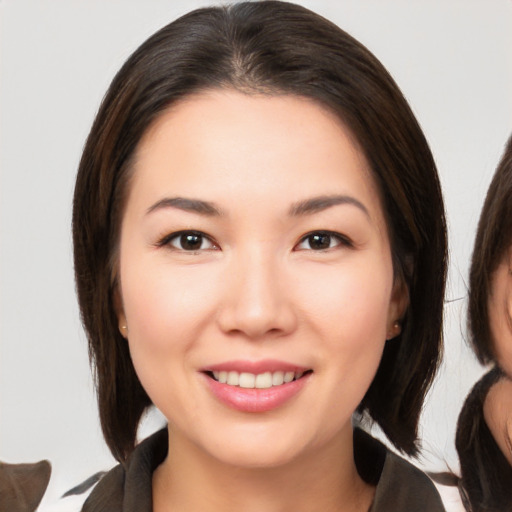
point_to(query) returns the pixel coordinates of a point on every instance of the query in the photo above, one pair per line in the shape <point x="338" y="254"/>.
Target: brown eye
<point x="322" y="240"/>
<point x="191" y="241"/>
<point x="319" y="241"/>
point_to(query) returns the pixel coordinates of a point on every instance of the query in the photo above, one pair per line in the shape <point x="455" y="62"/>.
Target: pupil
<point x="320" y="241"/>
<point x="191" y="242"/>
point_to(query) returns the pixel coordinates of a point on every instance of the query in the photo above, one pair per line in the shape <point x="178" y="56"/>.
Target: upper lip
<point x="255" y="367"/>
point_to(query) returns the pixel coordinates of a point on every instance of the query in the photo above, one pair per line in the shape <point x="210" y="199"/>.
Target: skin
<point x="256" y="288"/>
<point x="500" y="313"/>
<point x="498" y="402"/>
<point x="498" y="415"/>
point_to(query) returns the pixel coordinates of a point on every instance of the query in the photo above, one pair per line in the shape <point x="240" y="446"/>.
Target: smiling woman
<point x="260" y="252"/>
<point x="305" y="299"/>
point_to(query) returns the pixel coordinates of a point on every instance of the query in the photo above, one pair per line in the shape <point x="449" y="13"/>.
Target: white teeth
<point x="277" y="378"/>
<point x="260" y="381"/>
<point x="247" y="380"/>
<point x="233" y="379"/>
<point x="289" y="376"/>
<point x="263" y="380"/>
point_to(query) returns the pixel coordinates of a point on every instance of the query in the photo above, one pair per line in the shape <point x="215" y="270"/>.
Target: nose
<point x="257" y="303"/>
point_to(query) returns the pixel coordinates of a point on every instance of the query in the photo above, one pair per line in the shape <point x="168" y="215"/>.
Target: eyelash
<point x="341" y="240"/>
<point x="168" y="239"/>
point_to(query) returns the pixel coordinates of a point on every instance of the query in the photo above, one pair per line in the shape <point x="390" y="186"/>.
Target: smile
<point x="255" y="381"/>
<point x="256" y="387"/>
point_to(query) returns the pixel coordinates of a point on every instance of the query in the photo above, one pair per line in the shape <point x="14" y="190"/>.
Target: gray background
<point x="453" y="61"/>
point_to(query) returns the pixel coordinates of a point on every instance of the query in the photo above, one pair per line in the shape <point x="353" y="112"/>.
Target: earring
<point x="395" y="331"/>
<point x="124" y="330"/>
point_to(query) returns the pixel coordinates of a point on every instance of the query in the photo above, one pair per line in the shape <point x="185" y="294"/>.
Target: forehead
<point x="252" y="145"/>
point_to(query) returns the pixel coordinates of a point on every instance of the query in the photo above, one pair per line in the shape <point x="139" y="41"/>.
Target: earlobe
<point x="394" y="331"/>
<point x="509" y="259"/>
<point x="119" y="309"/>
<point x="397" y="307"/>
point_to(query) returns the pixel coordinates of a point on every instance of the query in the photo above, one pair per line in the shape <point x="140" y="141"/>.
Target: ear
<point x="398" y="304"/>
<point x="508" y="255"/>
<point x="119" y="309"/>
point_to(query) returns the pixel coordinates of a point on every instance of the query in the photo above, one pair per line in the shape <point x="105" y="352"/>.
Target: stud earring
<point x="395" y="331"/>
<point x="124" y="330"/>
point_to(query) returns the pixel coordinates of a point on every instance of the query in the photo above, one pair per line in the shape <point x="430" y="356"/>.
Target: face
<point x="498" y="415"/>
<point x="256" y="280"/>
<point x="500" y="312"/>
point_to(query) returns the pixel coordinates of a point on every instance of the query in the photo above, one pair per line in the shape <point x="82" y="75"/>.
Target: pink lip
<point x="255" y="400"/>
<point x="256" y="367"/>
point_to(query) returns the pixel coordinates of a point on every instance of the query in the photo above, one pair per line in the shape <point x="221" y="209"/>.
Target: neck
<point x="324" y="480"/>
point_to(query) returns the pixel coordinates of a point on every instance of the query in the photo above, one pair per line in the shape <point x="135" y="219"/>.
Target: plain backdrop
<point x="451" y="58"/>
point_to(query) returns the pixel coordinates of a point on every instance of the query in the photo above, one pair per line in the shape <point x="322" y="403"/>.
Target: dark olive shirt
<point x="400" y="486"/>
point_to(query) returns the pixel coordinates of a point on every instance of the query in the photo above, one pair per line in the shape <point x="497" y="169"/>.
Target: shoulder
<point x="130" y="484"/>
<point x="403" y="486"/>
<point x="400" y="486"/>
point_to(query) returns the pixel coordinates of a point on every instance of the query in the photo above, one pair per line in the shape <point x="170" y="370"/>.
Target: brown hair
<point x="264" y="47"/>
<point x="493" y="238"/>
<point x="485" y="472"/>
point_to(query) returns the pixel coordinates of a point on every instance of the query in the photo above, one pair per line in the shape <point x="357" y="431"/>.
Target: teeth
<point x="263" y="380"/>
<point x="247" y="380"/>
<point x="289" y="376"/>
<point x="260" y="381"/>
<point x="233" y="379"/>
<point x="277" y="378"/>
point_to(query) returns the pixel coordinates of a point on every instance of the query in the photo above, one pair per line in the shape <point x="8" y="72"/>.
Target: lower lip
<point x="256" y="400"/>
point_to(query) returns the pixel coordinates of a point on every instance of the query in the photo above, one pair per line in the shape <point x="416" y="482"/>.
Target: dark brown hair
<point x="486" y="475"/>
<point x="493" y="238"/>
<point x="264" y="47"/>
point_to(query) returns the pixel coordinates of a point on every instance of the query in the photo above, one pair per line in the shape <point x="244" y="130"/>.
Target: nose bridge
<point x="258" y="303"/>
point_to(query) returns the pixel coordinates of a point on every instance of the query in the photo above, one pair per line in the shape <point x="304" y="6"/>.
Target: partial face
<point x="498" y="415"/>
<point x="500" y="313"/>
<point x="256" y="276"/>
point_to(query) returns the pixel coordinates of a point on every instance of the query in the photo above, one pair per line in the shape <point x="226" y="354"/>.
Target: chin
<point x="257" y="457"/>
<point x="256" y="450"/>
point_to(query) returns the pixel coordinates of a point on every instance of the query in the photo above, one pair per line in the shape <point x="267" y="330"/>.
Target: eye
<point x="190" y="241"/>
<point x="321" y="241"/>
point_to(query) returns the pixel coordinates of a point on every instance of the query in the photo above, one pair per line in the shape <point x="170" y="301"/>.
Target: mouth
<point x="256" y="386"/>
<point x="265" y="380"/>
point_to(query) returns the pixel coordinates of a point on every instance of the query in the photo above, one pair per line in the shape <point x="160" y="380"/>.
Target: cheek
<point x="165" y="305"/>
<point x="351" y="302"/>
<point x="501" y="331"/>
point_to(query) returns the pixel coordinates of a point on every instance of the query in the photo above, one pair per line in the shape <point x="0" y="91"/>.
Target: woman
<point x="484" y="429"/>
<point x="257" y="220"/>
<point x="489" y="281"/>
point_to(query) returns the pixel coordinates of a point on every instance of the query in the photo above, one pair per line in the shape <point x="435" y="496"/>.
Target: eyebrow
<point x="187" y="205"/>
<point x="320" y="203"/>
<point x="305" y="207"/>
